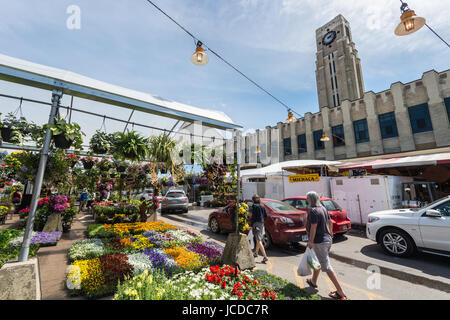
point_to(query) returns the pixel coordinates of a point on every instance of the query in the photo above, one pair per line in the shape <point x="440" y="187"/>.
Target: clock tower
<point x="338" y="68"/>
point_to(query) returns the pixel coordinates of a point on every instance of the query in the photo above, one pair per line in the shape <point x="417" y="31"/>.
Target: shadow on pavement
<point x="430" y="264"/>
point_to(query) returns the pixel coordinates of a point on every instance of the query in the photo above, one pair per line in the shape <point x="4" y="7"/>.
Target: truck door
<point x="435" y="232"/>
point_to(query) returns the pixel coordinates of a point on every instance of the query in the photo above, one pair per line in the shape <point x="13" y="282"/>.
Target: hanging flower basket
<point x="61" y="142"/>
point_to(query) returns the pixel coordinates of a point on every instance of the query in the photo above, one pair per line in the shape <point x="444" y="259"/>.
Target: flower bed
<point x="155" y="260"/>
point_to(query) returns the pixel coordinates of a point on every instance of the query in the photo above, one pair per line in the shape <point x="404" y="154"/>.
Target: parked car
<point x="146" y="195"/>
<point x="341" y="222"/>
<point x="284" y="224"/>
<point x="175" y="200"/>
<point x="403" y="232"/>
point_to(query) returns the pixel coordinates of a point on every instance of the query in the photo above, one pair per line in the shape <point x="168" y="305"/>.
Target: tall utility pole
<point x="238" y="176"/>
<point x="23" y="255"/>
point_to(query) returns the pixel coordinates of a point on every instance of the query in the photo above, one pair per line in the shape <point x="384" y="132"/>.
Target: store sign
<point x="304" y="178"/>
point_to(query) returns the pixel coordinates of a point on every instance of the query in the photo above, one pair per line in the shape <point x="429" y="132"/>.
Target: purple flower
<point x="211" y="255"/>
<point x="160" y="260"/>
<point x="44" y="238"/>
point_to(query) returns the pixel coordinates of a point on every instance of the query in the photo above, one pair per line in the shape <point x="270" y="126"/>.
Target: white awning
<point x="48" y="78"/>
<point x="281" y="168"/>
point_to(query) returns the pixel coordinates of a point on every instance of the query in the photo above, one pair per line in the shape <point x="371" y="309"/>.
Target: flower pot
<point x="61" y="142"/>
<point x="99" y="150"/>
<point x="88" y="164"/>
<point x="7" y="134"/>
<point x="163" y="170"/>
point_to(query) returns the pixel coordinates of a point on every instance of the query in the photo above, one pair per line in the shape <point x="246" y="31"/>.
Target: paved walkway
<point x="53" y="261"/>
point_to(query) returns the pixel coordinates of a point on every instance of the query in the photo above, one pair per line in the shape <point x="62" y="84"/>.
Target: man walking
<point x="320" y="230"/>
<point x="257" y="223"/>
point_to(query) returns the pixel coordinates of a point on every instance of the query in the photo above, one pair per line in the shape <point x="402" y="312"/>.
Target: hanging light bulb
<point x="324" y="138"/>
<point x="291" y="117"/>
<point x="410" y="23"/>
<point x="199" y="58"/>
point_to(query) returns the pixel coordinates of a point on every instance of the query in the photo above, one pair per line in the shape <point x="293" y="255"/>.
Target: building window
<point x="361" y="131"/>
<point x="388" y="125"/>
<point x="447" y="104"/>
<point x="318" y="145"/>
<point x="420" y="118"/>
<point x="338" y="136"/>
<point x="302" y="143"/>
<point x="287" y="146"/>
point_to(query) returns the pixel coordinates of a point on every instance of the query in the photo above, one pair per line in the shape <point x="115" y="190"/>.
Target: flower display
<point x="46" y="238"/>
<point x="90" y="275"/>
<point x="85" y="249"/>
<point x="160" y="260"/>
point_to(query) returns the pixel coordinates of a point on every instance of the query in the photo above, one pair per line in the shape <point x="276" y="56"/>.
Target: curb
<point x="401" y="275"/>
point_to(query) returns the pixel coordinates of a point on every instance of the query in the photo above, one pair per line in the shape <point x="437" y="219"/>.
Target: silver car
<point x="175" y="200"/>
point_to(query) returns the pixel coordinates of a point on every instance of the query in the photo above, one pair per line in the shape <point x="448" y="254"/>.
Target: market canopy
<point x="412" y="161"/>
<point x="285" y="168"/>
<point x="49" y="78"/>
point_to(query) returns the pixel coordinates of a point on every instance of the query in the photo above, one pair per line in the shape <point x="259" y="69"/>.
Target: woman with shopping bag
<point x="320" y="231"/>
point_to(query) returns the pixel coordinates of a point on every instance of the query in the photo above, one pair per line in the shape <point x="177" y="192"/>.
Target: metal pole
<point x="23" y="255"/>
<point x="238" y="176"/>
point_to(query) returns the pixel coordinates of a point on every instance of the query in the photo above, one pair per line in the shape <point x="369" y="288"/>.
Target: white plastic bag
<point x="250" y="239"/>
<point x="312" y="260"/>
<point x="309" y="261"/>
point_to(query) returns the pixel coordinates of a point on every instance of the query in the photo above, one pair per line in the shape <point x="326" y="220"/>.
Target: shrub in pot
<point x="100" y="142"/>
<point x="13" y="130"/>
<point x="66" y="134"/>
<point x="130" y="146"/>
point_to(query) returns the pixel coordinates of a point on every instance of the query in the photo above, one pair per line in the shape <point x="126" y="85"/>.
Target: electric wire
<point x="221" y="58"/>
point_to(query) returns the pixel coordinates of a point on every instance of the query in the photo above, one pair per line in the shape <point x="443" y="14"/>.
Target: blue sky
<point x="129" y="43"/>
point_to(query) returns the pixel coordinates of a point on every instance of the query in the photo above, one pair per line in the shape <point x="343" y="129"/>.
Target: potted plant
<point x="100" y="142"/>
<point x="67" y="218"/>
<point x="131" y="146"/>
<point x="13" y="129"/>
<point x="66" y="134"/>
<point x="104" y="165"/>
<point x="88" y="162"/>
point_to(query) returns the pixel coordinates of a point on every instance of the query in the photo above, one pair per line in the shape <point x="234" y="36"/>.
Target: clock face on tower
<point x="329" y="38"/>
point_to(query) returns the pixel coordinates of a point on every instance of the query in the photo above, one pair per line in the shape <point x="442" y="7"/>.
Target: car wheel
<point x="397" y="243"/>
<point x="214" y="225"/>
<point x="163" y="211"/>
<point x="267" y="240"/>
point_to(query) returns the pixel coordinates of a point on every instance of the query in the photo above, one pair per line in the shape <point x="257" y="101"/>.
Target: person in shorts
<point x="320" y="231"/>
<point x="257" y="223"/>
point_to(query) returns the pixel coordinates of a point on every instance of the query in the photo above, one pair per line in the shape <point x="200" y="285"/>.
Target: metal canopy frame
<point x="42" y="77"/>
<point x="13" y="72"/>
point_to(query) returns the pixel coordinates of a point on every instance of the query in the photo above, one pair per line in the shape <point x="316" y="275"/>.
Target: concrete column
<point x="294" y="140"/>
<point x="405" y="134"/>
<point x="376" y="141"/>
<point x="279" y="141"/>
<point x="268" y="143"/>
<point x="329" y="146"/>
<point x="349" y="132"/>
<point x="309" y="136"/>
<point x="438" y="111"/>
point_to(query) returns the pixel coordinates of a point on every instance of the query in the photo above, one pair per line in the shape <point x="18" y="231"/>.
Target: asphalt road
<point x="358" y="283"/>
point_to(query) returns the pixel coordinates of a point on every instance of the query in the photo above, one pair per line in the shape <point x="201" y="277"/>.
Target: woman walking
<point x="320" y="230"/>
<point x="257" y="223"/>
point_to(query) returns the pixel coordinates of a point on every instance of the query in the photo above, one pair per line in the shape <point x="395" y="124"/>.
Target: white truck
<point x="362" y="195"/>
